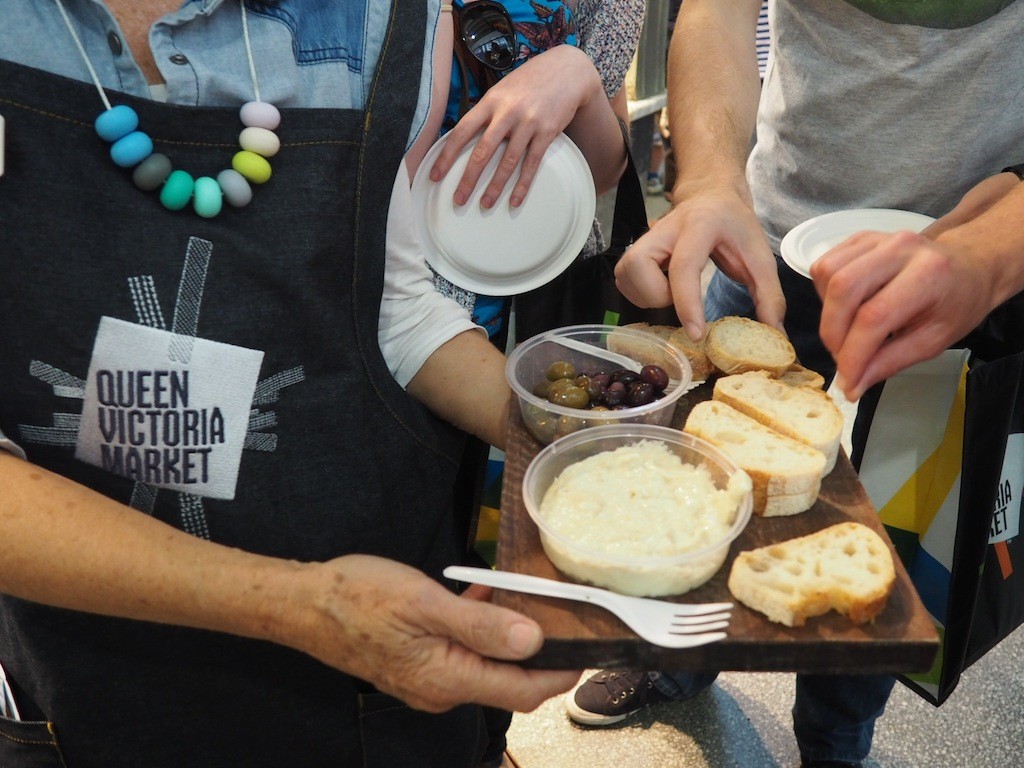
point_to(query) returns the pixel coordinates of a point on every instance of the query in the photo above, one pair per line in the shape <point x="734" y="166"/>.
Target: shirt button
<point x="179" y="58"/>
<point x="115" y="43"/>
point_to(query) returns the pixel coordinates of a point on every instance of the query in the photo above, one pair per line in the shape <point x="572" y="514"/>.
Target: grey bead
<point x="152" y="172"/>
<point x="236" y="189"/>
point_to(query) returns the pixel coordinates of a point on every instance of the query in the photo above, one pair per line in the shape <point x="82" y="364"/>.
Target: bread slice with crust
<point x="785" y="472"/>
<point x="846" y="567"/>
<point x="695" y="353"/>
<point x="803" y="413"/>
<point x="677" y="337"/>
<point x="737" y="344"/>
<point x="798" y="376"/>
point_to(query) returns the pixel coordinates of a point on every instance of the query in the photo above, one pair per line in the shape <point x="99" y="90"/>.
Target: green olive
<point x="567" y="425"/>
<point x="561" y="370"/>
<point x="570" y="397"/>
<point x="558" y="386"/>
<point x="541" y="388"/>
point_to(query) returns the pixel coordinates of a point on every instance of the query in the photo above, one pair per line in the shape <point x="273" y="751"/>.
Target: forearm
<point x="714" y="87"/>
<point x="595" y="130"/>
<point x="68" y="546"/>
<point x="995" y="240"/>
<point x="477" y="403"/>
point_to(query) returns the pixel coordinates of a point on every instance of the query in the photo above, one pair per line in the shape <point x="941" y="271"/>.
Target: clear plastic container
<point x="590" y="348"/>
<point x="634" y="574"/>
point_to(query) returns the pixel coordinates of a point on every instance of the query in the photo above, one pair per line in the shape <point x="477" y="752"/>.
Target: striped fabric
<point x="761" y="38"/>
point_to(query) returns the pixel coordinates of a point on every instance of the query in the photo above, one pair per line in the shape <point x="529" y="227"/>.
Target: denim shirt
<point x="307" y="53"/>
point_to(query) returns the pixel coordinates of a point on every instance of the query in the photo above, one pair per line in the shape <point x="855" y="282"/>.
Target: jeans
<point x="833" y="715"/>
<point x="803" y="313"/>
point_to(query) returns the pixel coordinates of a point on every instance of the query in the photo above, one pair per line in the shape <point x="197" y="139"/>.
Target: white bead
<point x="259" y="140"/>
<point x="260" y="114"/>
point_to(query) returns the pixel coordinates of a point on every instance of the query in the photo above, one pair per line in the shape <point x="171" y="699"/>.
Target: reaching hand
<point x="391" y="625"/>
<point x="892" y="300"/>
<point x="528" y="108"/>
<point x="664" y="266"/>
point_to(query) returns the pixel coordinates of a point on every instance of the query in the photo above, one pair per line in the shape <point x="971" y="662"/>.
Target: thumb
<point x="489" y="630"/>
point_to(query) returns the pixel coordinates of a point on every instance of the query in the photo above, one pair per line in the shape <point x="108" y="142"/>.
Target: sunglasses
<point x="487" y="32"/>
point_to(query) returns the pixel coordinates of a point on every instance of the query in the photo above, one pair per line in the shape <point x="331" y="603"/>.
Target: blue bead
<point x="131" y="149"/>
<point x="116" y="122"/>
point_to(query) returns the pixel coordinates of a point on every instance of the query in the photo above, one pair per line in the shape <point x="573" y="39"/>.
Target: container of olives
<point x="583" y="376"/>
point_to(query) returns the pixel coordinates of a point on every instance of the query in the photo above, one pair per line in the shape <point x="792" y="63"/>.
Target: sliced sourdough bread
<point x="846" y="567"/>
<point x="693" y="350"/>
<point x="798" y="376"/>
<point x="786" y="473"/>
<point x="803" y="413"/>
<point x="695" y="353"/>
<point x="738" y="344"/>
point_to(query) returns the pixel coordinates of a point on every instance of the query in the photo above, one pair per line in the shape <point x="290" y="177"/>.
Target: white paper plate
<point x="503" y="251"/>
<point x="806" y="243"/>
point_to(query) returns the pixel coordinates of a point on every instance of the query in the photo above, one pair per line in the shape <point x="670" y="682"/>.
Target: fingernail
<point x="515" y="201"/>
<point x="840" y="381"/>
<point x="486" y="201"/>
<point x="460" y="198"/>
<point x="692" y="331"/>
<point x="523" y="639"/>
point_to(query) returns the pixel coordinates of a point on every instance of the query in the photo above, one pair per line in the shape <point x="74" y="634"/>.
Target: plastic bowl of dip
<point x="638" y="509"/>
<point x="590" y="349"/>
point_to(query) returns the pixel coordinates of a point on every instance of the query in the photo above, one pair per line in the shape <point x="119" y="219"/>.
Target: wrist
<point x="273" y="601"/>
<point x="726" y="181"/>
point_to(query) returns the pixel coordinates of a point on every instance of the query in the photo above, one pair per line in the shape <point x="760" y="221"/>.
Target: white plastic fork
<point x="670" y="625"/>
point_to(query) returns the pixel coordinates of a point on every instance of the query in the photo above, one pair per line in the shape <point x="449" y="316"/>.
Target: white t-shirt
<point x="414" y="318"/>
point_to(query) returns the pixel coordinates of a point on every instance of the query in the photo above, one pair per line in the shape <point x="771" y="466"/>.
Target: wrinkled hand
<point x="664" y="266"/>
<point x="528" y="107"/>
<point x="391" y="625"/>
<point x="892" y="300"/>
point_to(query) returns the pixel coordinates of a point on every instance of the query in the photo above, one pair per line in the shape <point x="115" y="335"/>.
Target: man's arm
<point x="892" y="300"/>
<point x="713" y="89"/>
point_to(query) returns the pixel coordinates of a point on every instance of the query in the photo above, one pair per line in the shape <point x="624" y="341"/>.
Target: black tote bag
<point x="981" y="600"/>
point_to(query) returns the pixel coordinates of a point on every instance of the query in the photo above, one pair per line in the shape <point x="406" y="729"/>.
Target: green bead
<point x="207" y="197"/>
<point x="253" y="167"/>
<point x="177" y="190"/>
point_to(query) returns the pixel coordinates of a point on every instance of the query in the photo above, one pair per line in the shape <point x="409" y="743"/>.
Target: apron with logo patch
<point x="224" y="376"/>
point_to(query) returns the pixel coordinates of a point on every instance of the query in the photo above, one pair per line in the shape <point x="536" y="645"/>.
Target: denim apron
<point x="224" y="376"/>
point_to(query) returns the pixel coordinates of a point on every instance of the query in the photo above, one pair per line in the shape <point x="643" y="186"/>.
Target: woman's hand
<point x="391" y="625"/>
<point x="527" y="108"/>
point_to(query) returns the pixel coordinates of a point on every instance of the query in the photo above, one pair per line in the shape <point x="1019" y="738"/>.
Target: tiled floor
<point x="744" y="721"/>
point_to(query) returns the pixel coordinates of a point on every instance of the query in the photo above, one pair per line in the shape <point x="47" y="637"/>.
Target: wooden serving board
<point x="578" y="636"/>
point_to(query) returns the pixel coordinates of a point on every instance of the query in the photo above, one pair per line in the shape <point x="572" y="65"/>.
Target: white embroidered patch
<point x="163" y="418"/>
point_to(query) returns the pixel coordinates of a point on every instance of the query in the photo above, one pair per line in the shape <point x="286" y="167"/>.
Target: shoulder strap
<point x="629" y="220"/>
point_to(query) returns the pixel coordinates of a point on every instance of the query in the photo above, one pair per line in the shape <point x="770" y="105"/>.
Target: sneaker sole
<point x="586" y="717"/>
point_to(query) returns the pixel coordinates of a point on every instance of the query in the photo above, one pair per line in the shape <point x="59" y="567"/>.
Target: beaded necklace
<point x="131" y="148"/>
